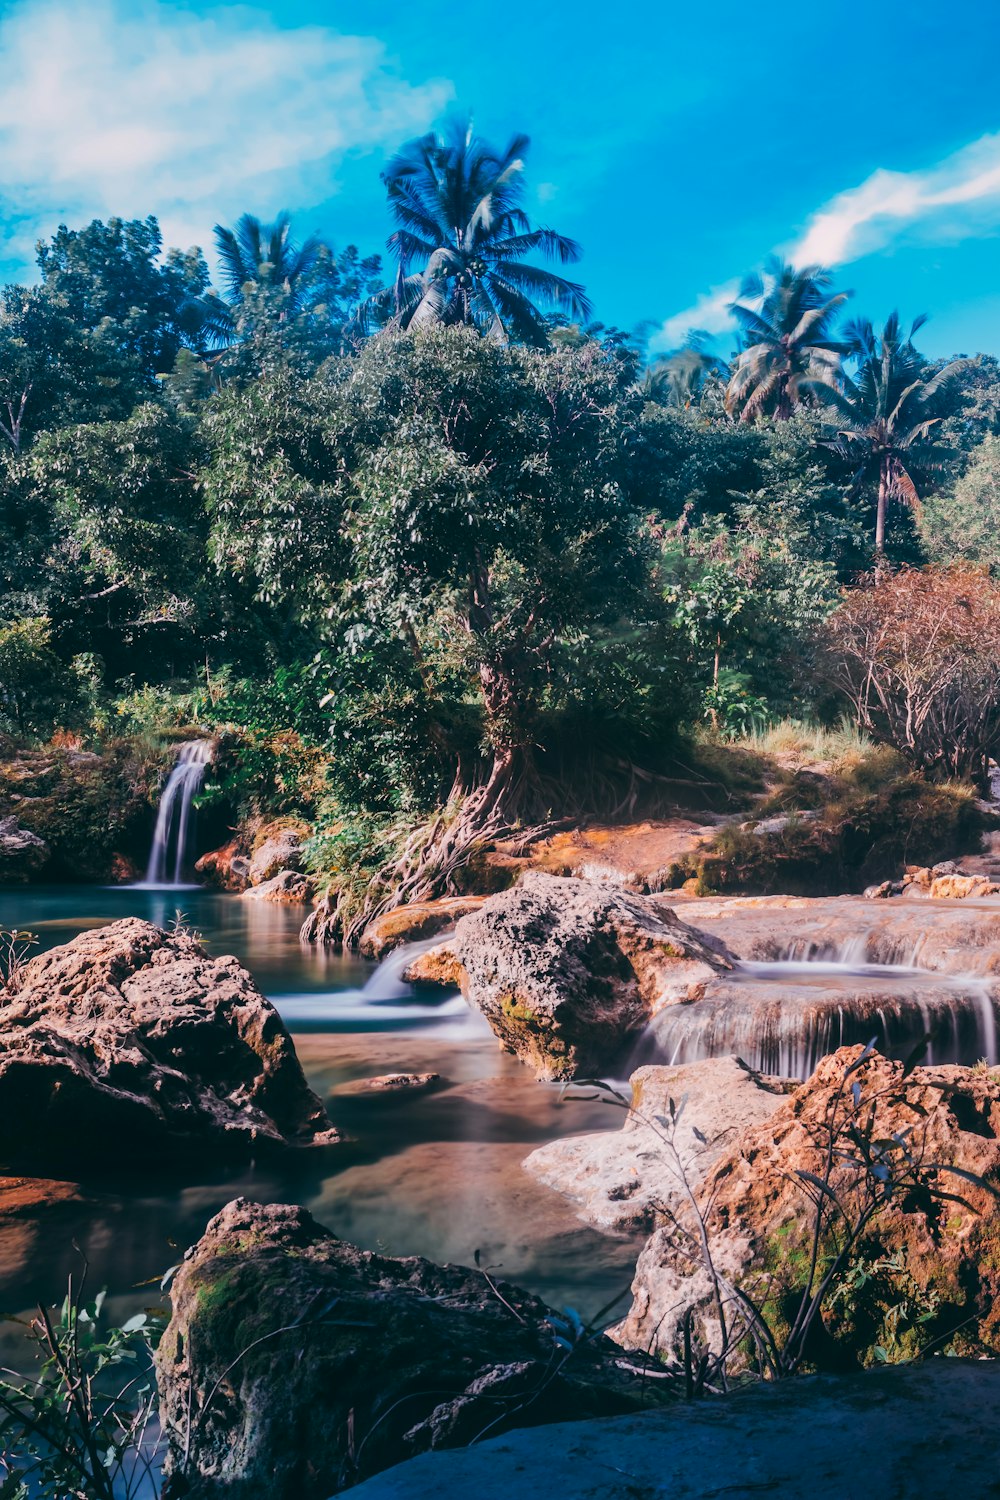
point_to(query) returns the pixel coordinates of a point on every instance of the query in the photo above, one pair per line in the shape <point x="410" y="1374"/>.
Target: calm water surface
<point x="437" y="1174"/>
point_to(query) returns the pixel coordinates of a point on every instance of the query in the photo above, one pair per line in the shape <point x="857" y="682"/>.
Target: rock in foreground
<point x="618" y="1179"/>
<point x="926" y="1269"/>
<point x="130" y="1039"/>
<point x="295" y="1364"/>
<point x="918" y="1431"/>
<point x="566" y="971"/>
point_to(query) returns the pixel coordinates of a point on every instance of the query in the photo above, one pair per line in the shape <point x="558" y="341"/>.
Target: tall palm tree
<point x="462" y="237"/>
<point x="785" y="318"/>
<point x="263" y="257"/>
<point x="887" y="405"/>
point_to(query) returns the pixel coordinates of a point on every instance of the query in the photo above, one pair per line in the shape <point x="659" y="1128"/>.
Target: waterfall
<point x="174" y="817"/>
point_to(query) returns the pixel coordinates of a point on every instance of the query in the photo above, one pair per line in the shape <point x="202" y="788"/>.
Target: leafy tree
<point x="108" y="278"/>
<point x="888" y="406"/>
<point x="963" y="522"/>
<point x="462" y="239"/>
<point x="787" y="347"/>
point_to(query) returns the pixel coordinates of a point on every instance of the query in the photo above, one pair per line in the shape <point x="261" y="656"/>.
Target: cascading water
<point x="169" y="852"/>
<point x="783" y="1016"/>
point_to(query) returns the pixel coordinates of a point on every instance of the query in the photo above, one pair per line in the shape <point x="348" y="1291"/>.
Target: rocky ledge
<point x="925" y="1271"/>
<point x="130" y="1039"/>
<point x="295" y="1364"/>
<point x="567" y="971"/>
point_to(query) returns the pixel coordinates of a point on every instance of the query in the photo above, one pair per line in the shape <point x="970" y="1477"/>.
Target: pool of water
<point x="434" y="1174"/>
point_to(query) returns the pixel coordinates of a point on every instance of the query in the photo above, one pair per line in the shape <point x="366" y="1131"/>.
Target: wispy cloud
<point x="958" y="197"/>
<point x="154" y="109"/>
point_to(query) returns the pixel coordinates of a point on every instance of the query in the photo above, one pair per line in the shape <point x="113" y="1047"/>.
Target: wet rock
<point x="931" y="1267"/>
<point x="639" y="857"/>
<point x="880" y="892"/>
<point x="914" y="1431"/>
<point x="392" y="1083"/>
<point x="129" y="1040"/>
<point x="22" y="853"/>
<point x="281" y="850"/>
<point x="438" y="968"/>
<point x="408" y="924"/>
<point x="620" y="1179"/>
<point x="287" y="888"/>
<point x="960" y="887"/>
<point x="567" y="971"/>
<point x="295" y="1364"/>
<point x="226" y="868"/>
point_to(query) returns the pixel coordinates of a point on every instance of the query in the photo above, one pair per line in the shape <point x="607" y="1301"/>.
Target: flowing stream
<point x="175" y="816"/>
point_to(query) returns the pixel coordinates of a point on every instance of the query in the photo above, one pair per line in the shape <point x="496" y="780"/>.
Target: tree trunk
<point x="883" y="498"/>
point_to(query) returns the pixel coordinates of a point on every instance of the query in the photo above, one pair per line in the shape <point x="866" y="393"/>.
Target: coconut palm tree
<point x="887" y="403"/>
<point x="257" y="261"/>
<point x="785" y="319"/>
<point x="461" y="241"/>
<point x="680" y="377"/>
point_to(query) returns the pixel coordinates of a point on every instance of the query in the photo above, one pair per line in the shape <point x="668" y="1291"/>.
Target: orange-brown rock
<point x="227" y="868"/>
<point x="408" y="924"/>
<point x="925" y="1270"/>
<point x="437" y="968"/>
<point x="638" y="857"/>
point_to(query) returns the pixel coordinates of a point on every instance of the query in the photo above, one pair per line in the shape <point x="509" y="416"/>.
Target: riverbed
<point x="435" y="1174"/>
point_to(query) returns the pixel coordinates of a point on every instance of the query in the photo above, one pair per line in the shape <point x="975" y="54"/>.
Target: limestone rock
<point x="408" y="924"/>
<point x="280" y="851"/>
<point x="619" y="1179"/>
<point x="437" y="968"/>
<point x="916" y="1431"/>
<point x="129" y="1040"/>
<point x="566" y="971"/>
<point x="287" y="888"/>
<point x="931" y="1266"/>
<point x="22" y="853"/>
<point x="380" y="1359"/>
<point x="227" y="868"/>
<point x="392" y="1083"/>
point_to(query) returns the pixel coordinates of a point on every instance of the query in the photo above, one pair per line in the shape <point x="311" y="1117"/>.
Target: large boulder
<point x="287" y="888"/>
<point x="622" y="1179"/>
<point x="227" y="868"/>
<point x="567" y="971"/>
<point x="130" y="1039"/>
<point x="925" y="1271"/>
<point x="917" y="1431"/>
<point x="414" y="923"/>
<point x="22" y="853"/>
<point x="295" y="1364"/>
<point x="281" y="850"/>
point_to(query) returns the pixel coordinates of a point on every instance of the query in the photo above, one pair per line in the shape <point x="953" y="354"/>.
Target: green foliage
<point x="37" y="690"/>
<point x="79" y="1426"/>
<point x="963" y="523"/>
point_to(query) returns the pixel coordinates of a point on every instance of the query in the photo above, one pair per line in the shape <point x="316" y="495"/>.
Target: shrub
<point x="916" y="652"/>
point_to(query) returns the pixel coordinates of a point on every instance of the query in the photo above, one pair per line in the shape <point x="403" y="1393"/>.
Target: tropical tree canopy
<point x="888" y="406"/>
<point x="785" y="319"/>
<point x="462" y="240"/>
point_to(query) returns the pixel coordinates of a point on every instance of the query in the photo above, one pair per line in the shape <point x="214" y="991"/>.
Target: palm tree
<point x="785" y="318"/>
<point x="462" y="238"/>
<point x="680" y="377"/>
<point x="887" y="404"/>
<point x="262" y="257"/>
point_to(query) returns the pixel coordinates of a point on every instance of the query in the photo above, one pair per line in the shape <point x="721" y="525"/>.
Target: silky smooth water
<point x="436" y="1174"/>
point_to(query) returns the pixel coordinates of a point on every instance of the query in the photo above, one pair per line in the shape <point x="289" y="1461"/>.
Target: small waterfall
<point x="783" y="1017"/>
<point x="174" y="817"/>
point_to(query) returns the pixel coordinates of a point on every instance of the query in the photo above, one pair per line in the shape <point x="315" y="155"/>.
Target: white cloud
<point x="152" y="109"/>
<point x="959" y="196"/>
<point x="710" y="312"/>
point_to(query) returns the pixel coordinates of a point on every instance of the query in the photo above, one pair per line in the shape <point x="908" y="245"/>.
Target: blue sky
<point x="679" y="144"/>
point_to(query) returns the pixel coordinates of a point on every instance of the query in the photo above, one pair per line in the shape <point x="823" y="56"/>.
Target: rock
<point x="620" y="1178"/>
<point x="392" y="1083"/>
<point x="638" y="857"/>
<point x="960" y="887"/>
<point x="129" y="1040"/>
<point x="437" y="968"/>
<point x="22" y="853"/>
<point x="288" y="888"/>
<point x="566" y="971"/>
<point x="925" y="1272"/>
<point x="124" y="870"/>
<point x="880" y="892"/>
<point x="279" y="851"/>
<point x="295" y="1363"/>
<point x="916" y="1431"/>
<point x="228" y="867"/>
<point x="408" y="924"/>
